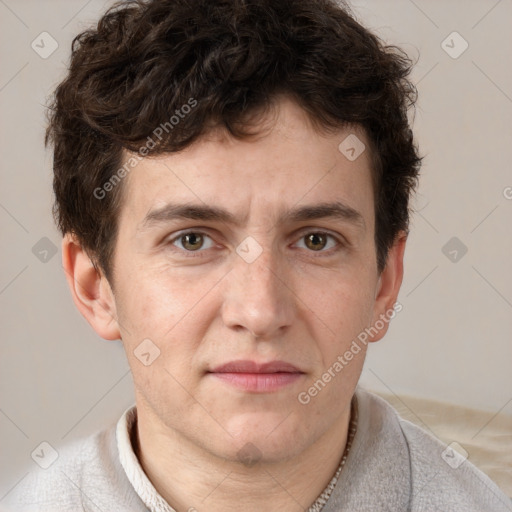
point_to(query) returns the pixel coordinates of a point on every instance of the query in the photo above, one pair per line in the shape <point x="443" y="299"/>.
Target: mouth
<point x="255" y="377"/>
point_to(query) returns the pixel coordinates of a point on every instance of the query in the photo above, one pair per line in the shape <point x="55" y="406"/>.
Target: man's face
<point x="266" y="287"/>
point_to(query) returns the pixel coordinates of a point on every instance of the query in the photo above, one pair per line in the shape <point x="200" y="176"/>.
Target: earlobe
<point x="388" y="287"/>
<point x="90" y="290"/>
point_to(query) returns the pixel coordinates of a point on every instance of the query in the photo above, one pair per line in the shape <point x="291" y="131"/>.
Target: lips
<point x="253" y="367"/>
<point x="255" y="377"/>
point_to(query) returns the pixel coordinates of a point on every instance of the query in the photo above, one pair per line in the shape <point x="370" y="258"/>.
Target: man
<point x="232" y="181"/>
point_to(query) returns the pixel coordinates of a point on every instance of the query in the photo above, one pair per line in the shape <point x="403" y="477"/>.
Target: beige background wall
<point x="451" y="342"/>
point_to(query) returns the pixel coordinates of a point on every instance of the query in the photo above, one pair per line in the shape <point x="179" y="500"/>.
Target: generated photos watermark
<point x="158" y="132"/>
<point x="304" y="397"/>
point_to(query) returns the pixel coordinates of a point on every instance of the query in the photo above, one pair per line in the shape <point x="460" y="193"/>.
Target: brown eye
<point x="192" y="241"/>
<point x="320" y="242"/>
<point x="316" y="241"/>
<point x="188" y="242"/>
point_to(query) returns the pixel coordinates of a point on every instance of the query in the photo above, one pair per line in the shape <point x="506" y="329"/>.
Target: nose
<point x="258" y="297"/>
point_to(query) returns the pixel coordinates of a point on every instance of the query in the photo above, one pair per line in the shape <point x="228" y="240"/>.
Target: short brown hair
<point x="148" y="58"/>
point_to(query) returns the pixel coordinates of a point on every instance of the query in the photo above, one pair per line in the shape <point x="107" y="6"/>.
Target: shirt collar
<point x="153" y="500"/>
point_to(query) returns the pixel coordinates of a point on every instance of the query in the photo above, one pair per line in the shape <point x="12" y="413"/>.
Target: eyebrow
<point x="173" y="211"/>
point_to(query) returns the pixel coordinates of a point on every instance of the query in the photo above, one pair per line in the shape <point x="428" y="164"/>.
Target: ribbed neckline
<point x="152" y="499"/>
<point x="320" y="502"/>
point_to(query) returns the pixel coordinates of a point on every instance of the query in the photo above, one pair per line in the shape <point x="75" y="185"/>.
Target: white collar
<point x="141" y="483"/>
<point x="131" y="465"/>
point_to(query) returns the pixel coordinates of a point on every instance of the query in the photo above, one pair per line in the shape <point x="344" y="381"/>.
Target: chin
<point x="261" y="437"/>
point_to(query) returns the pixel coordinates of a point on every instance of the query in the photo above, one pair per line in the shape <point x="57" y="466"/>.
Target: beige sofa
<point x="486" y="437"/>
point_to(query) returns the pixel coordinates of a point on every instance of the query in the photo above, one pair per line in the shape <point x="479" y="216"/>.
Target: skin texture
<point x="293" y="303"/>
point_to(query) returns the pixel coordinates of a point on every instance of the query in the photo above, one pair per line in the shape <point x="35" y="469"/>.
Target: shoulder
<point x="440" y="478"/>
<point x="440" y="475"/>
<point x="60" y="485"/>
<point x="86" y="475"/>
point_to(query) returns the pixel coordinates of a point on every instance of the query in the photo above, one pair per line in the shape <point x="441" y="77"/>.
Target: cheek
<point x="342" y="300"/>
<point x="171" y="311"/>
<point x="154" y="301"/>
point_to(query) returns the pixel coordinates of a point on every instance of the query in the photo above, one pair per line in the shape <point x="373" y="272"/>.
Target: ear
<point x="90" y="290"/>
<point x="388" y="287"/>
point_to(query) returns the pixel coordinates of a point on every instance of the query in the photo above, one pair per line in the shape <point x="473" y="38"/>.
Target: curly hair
<point x="148" y="59"/>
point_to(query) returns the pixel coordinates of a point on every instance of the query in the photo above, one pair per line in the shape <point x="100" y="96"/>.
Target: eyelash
<point x="195" y="254"/>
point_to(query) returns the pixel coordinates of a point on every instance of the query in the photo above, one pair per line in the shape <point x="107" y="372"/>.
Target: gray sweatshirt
<point x="392" y="466"/>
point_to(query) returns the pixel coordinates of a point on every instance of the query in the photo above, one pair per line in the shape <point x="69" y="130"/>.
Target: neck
<point x="190" y="478"/>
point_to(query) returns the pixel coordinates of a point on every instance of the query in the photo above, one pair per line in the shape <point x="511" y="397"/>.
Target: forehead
<point x="288" y="163"/>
